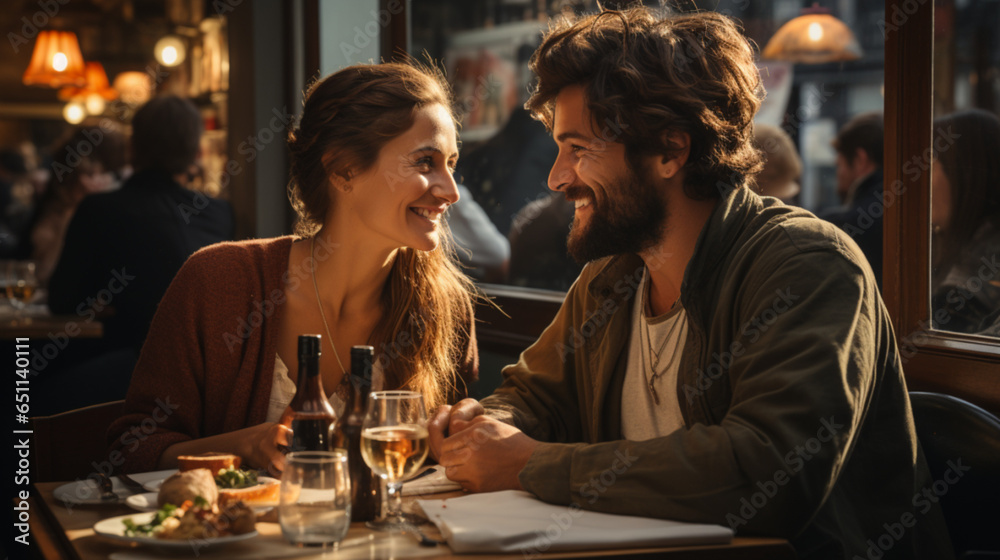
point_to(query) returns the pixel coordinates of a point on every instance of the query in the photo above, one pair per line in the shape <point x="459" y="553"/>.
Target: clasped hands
<point x="478" y="452"/>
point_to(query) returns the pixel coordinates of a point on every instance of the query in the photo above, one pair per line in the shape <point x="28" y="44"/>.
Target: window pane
<point x="506" y="156"/>
<point x="965" y="176"/>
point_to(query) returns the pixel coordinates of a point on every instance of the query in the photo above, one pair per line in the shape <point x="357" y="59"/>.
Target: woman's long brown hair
<point x="347" y="119"/>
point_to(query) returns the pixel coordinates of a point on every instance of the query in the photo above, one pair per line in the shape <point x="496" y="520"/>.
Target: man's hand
<point x="484" y="454"/>
<point x="450" y="420"/>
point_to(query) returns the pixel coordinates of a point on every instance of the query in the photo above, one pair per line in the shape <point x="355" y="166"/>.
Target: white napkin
<point x="434" y="483"/>
<point x="515" y="521"/>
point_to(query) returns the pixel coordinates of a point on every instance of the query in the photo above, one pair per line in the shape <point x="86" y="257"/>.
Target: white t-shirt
<point x="642" y="416"/>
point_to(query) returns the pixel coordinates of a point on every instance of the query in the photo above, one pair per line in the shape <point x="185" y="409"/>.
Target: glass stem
<point x="395" y="501"/>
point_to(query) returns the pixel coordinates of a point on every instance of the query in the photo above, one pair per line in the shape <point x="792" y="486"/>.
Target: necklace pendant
<point x="652" y="391"/>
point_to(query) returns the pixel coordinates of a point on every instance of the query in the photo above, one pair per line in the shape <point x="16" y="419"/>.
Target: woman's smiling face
<point x="403" y="196"/>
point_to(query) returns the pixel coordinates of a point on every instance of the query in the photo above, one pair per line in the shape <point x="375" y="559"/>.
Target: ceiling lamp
<point x="96" y="93"/>
<point x="813" y="38"/>
<point x="56" y="61"/>
<point x="170" y="50"/>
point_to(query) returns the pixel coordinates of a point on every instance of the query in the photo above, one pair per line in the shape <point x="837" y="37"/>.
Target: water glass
<point x="315" y="506"/>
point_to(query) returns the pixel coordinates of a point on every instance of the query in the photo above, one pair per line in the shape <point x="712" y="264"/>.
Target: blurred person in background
<point x="859" y="186"/>
<point x="480" y="246"/>
<point x="965" y="217"/>
<point x="89" y="162"/>
<point x="13" y="212"/>
<point x="123" y="249"/>
<point x="782" y="166"/>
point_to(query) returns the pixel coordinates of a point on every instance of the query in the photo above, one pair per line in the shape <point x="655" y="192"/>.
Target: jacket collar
<point x="618" y="275"/>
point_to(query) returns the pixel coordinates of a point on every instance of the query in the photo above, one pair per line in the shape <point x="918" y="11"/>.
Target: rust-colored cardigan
<point x="207" y="365"/>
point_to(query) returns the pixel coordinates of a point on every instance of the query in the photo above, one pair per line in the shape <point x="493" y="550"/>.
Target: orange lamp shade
<point x="813" y="38"/>
<point x="56" y="61"/>
<point x="97" y="84"/>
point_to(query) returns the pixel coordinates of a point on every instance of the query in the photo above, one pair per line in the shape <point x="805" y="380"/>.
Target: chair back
<point x="72" y="444"/>
<point x="962" y="445"/>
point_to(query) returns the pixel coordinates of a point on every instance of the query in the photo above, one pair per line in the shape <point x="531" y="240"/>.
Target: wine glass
<point x="394" y="444"/>
<point x="315" y="498"/>
<point x="21" y="285"/>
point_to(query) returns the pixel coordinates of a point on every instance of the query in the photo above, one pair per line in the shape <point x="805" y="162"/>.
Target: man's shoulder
<point x="801" y="234"/>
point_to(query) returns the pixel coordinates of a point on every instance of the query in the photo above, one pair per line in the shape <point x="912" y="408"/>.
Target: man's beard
<point x="630" y="218"/>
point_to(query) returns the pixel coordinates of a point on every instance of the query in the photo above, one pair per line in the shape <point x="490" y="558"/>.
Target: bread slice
<point x="266" y="493"/>
<point x="211" y="461"/>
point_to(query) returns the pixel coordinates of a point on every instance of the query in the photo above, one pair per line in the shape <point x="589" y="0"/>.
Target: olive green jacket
<point x="798" y="422"/>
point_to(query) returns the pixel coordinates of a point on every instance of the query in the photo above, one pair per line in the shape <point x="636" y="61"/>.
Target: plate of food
<point x="191" y="526"/>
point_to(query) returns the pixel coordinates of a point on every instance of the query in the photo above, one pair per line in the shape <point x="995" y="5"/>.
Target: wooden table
<point x="40" y="328"/>
<point x="65" y="531"/>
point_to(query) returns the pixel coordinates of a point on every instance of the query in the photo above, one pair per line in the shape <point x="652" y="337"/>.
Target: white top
<point x="480" y="243"/>
<point x="664" y="335"/>
<point x="283" y="390"/>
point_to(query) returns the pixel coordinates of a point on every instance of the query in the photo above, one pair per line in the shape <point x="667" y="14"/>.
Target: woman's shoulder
<point x="240" y="254"/>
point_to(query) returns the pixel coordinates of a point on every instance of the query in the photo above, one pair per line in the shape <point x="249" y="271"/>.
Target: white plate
<point x="143" y="502"/>
<point x="153" y="480"/>
<point x="86" y="491"/>
<point x="114" y="529"/>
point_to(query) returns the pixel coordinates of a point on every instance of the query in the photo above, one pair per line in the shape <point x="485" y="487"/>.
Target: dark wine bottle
<point x="364" y="484"/>
<point x="310" y="415"/>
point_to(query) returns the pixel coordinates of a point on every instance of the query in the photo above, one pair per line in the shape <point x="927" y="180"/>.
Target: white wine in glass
<point x="394" y="444"/>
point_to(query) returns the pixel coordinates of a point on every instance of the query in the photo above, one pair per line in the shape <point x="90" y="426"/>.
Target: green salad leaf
<point x="233" y="478"/>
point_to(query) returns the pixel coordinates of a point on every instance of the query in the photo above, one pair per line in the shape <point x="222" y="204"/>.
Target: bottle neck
<point x="310" y="382"/>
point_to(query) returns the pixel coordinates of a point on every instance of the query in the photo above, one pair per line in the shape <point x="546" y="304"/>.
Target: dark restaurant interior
<point x="864" y="103"/>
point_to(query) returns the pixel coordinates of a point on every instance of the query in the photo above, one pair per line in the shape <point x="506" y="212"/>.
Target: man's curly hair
<point x="646" y="76"/>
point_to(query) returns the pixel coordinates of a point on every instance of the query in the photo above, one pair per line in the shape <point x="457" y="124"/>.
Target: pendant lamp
<point x="814" y="37"/>
<point x="56" y="61"/>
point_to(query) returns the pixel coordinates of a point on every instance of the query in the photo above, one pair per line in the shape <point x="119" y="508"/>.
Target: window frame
<point x="966" y="366"/>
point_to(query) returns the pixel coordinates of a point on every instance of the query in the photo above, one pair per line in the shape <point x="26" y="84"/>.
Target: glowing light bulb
<point x="95" y="104"/>
<point x="169" y="55"/>
<point x="59" y="61"/>
<point x="815" y="31"/>
<point x="74" y="113"/>
<point x="170" y="50"/>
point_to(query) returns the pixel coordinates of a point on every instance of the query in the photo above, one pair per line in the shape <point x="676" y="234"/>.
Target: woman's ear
<point x="679" y="143"/>
<point x="342" y="181"/>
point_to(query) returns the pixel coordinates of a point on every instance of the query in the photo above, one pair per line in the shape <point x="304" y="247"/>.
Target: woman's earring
<point x="348" y="188"/>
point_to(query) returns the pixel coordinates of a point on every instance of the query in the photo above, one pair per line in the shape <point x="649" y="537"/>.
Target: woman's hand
<point x="262" y="446"/>
<point x="258" y="446"/>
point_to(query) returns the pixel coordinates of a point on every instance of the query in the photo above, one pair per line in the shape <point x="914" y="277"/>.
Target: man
<point x="122" y="250"/>
<point x="859" y="186"/>
<point x="721" y="359"/>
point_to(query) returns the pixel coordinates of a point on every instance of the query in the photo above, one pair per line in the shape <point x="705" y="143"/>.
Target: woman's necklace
<point x="319" y="303"/>
<point x="654" y="357"/>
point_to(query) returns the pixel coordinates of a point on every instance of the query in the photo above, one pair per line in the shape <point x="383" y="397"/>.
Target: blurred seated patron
<point x="719" y="348"/>
<point x="538" y="254"/>
<point x="965" y="217"/>
<point x="13" y="212"/>
<point x="89" y="162"/>
<point x="124" y="247"/>
<point x="372" y="159"/>
<point x="782" y="166"/>
<point x="482" y="249"/>
<point x="859" y="186"/>
<point x="508" y="170"/>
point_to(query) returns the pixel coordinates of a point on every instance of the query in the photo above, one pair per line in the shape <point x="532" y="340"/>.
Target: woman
<point x="371" y="165"/>
<point x="965" y="215"/>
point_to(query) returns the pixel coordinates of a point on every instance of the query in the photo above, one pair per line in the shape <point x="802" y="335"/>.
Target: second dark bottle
<point x="364" y="485"/>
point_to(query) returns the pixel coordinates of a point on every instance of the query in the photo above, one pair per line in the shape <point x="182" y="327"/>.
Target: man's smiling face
<point x="617" y="210"/>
